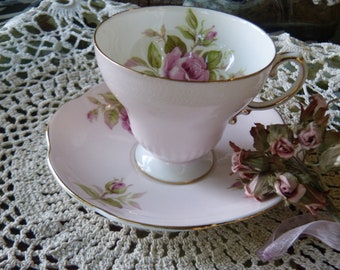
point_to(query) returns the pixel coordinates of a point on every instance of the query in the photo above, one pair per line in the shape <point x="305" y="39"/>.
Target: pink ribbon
<point x="291" y="229"/>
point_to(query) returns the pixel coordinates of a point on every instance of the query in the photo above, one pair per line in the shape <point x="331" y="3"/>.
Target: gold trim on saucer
<point x="138" y="225"/>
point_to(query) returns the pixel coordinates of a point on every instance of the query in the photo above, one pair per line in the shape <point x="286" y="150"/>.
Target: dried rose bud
<point x="289" y="187"/>
<point x="310" y="137"/>
<point x="283" y="148"/>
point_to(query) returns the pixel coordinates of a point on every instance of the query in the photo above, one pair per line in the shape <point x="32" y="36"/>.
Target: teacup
<point x="182" y="73"/>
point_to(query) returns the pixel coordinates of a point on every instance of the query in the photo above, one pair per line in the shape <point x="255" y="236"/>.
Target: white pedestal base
<point x="173" y="173"/>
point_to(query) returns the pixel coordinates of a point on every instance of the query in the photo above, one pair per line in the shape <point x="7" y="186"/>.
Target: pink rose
<point x="125" y="120"/>
<point x="289" y="188"/>
<point x="211" y="35"/>
<point x="115" y="186"/>
<point x="283" y="148"/>
<point x="92" y="115"/>
<point x="189" y="67"/>
<point x="310" y="137"/>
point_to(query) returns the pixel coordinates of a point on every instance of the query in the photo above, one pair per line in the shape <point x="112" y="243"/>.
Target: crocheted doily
<point x="47" y="59"/>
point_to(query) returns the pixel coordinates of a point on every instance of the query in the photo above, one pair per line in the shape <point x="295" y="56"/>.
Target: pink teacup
<point x="182" y="73"/>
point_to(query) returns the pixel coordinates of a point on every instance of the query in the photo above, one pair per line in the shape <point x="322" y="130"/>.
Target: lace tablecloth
<point x="47" y="59"/>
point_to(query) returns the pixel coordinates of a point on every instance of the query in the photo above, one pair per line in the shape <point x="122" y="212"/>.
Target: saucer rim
<point x="148" y="226"/>
<point x="125" y="221"/>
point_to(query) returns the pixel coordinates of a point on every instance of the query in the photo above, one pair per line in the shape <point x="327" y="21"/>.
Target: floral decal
<point x="289" y="159"/>
<point x="115" y="193"/>
<point x="113" y="111"/>
<point x="192" y="55"/>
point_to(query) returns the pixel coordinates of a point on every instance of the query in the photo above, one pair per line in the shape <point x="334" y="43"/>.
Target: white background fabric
<point x="47" y="59"/>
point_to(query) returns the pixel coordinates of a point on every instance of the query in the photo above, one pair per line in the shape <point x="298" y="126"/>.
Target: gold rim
<point x="300" y="80"/>
<point x="162" y="78"/>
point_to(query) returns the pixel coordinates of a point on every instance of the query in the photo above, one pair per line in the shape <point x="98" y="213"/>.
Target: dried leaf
<point x="260" y="135"/>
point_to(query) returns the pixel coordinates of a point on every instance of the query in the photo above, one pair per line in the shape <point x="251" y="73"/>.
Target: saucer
<point x="96" y="165"/>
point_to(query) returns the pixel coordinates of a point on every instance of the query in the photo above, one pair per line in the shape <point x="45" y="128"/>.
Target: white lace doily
<point x="47" y="59"/>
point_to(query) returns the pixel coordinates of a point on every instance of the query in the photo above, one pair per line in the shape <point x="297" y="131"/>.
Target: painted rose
<point x="189" y="67"/>
<point x="116" y="186"/>
<point x="210" y="35"/>
<point x="124" y="118"/>
<point x="92" y="115"/>
<point x="283" y="148"/>
<point x="310" y="137"/>
<point x="289" y="187"/>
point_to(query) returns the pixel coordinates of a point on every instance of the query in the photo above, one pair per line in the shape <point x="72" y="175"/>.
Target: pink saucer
<point x="95" y="164"/>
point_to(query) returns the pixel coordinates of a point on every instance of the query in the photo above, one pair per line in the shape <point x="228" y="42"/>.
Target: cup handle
<point x="280" y="59"/>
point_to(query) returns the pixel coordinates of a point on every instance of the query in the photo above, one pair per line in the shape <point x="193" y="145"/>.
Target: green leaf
<point x="185" y="31"/>
<point x="173" y="42"/>
<point x="134" y="204"/>
<point x="212" y="76"/>
<point x="151" y="33"/>
<point x="207" y="43"/>
<point x="154" y="56"/>
<point x="150" y="73"/>
<point x="111" y="118"/>
<point x="137" y="61"/>
<point x="111" y="202"/>
<point x="137" y="195"/>
<point x="191" y="19"/>
<point x="89" y="191"/>
<point x="94" y="100"/>
<point x="212" y="58"/>
<point x="110" y="98"/>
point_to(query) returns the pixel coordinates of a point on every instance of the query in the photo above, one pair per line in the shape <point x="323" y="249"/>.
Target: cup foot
<point x="173" y="173"/>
